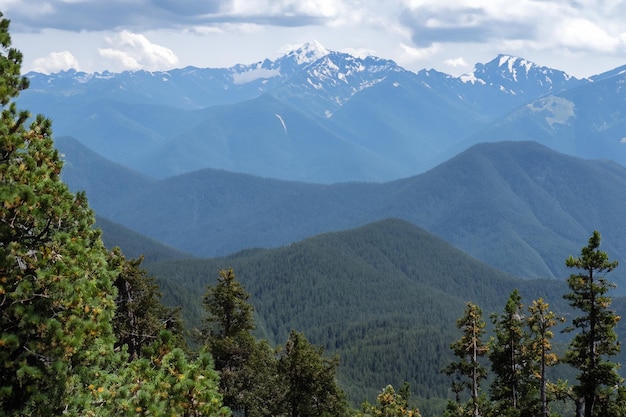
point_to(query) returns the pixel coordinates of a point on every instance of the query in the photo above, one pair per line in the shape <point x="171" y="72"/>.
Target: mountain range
<point x="321" y="116"/>
<point x="277" y="136"/>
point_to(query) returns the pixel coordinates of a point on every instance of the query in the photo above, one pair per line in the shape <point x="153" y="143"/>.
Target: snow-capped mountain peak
<point x="513" y="64"/>
<point x="517" y="75"/>
<point x="285" y="66"/>
<point x="507" y="67"/>
<point x="308" y="52"/>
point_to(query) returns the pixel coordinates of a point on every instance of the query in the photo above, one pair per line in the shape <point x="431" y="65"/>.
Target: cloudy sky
<point x="581" y="37"/>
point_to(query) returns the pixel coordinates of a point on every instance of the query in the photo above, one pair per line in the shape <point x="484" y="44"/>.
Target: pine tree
<point x="389" y="404"/>
<point x="56" y="288"/>
<point x="57" y="293"/>
<point x="596" y="339"/>
<point x="469" y="349"/>
<point x="506" y="355"/>
<point x="163" y="382"/>
<point x="541" y="321"/>
<point x="229" y="339"/>
<point x="309" y="380"/>
<point x="139" y="316"/>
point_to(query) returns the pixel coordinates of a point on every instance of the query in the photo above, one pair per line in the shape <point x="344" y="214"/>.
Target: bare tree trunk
<point x="580" y="407"/>
<point x="475" y="374"/>
<point x="544" y="400"/>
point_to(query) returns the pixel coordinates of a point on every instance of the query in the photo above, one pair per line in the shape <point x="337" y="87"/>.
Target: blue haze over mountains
<point x="320" y="116"/>
<point x="212" y="161"/>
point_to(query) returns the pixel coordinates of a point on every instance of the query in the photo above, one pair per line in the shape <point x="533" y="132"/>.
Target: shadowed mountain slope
<point x="517" y="206"/>
<point x="134" y="245"/>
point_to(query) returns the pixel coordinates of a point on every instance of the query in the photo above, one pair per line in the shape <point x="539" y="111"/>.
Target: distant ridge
<point x="517" y="206"/>
<point x="134" y="245"/>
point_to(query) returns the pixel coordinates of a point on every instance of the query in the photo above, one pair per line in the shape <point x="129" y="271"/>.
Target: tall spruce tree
<point x="228" y="337"/>
<point x="506" y="356"/>
<point x="309" y="380"/>
<point x="469" y="349"/>
<point x="56" y="289"/>
<point x="261" y="384"/>
<point x="140" y="316"/>
<point x="541" y="322"/>
<point x="596" y="340"/>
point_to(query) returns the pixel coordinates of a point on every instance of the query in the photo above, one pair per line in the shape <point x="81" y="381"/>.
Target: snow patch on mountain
<point x="471" y="78"/>
<point x="317" y="86"/>
<point x="336" y="77"/>
<point x="513" y="63"/>
<point x="282" y="122"/>
<point x="254" y="74"/>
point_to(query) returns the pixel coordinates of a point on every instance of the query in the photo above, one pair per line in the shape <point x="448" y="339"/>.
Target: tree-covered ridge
<point x="383" y="297"/>
<point x="517" y="361"/>
<point x="134" y="244"/>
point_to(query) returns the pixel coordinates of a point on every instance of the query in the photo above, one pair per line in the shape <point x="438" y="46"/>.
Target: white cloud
<point x="411" y="53"/>
<point x="56" y="61"/>
<point x="456" y="62"/>
<point x="581" y="33"/>
<point x="322" y="8"/>
<point x="119" y="60"/>
<point x="131" y="51"/>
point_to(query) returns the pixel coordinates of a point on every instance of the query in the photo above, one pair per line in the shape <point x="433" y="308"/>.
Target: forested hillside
<point x="136" y="245"/>
<point x="384" y="297"/>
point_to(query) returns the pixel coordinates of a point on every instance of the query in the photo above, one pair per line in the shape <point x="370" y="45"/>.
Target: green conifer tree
<point x="140" y="316"/>
<point x="56" y="289"/>
<point x="506" y="356"/>
<point x="468" y="369"/>
<point x="541" y="322"/>
<point x="596" y="340"/>
<point x="247" y="367"/>
<point x="57" y="293"/>
<point x="164" y="381"/>
<point x="309" y="380"/>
